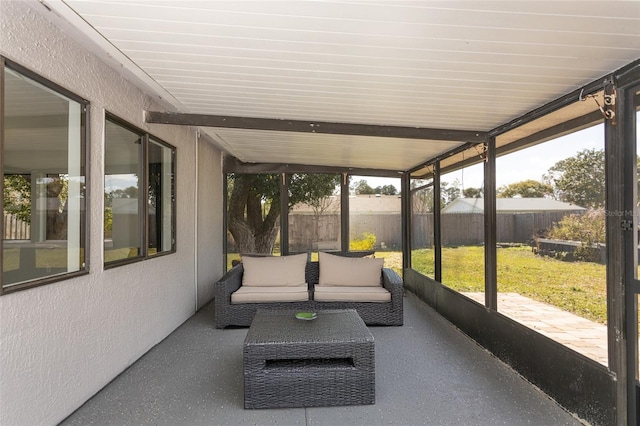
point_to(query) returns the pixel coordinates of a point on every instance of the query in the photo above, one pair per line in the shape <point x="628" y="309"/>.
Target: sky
<point x="534" y="162"/>
<point x="531" y="163"/>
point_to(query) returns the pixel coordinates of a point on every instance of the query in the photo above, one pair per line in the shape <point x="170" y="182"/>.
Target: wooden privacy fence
<point x="323" y="232"/>
<point x="15" y="229"/>
<point x="468" y="228"/>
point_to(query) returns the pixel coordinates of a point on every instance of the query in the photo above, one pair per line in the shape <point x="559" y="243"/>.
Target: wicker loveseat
<point x="241" y="314"/>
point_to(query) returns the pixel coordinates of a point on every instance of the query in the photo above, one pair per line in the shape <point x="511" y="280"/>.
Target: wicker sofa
<point x="241" y="314"/>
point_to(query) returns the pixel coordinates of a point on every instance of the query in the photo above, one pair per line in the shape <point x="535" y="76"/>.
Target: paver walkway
<point x="582" y="335"/>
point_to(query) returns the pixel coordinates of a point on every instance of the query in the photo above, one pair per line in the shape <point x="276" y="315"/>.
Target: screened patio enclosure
<point x="479" y="102"/>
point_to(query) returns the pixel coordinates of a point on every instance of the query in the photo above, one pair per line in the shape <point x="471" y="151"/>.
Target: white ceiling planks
<point x="337" y="150"/>
<point x="462" y="65"/>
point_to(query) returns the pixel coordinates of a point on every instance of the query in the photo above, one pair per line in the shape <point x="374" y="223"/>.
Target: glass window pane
<point x="462" y="230"/>
<point x="314" y="213"/>
<point x="551" y="271"/>
<point x="44" y="182"/>
<point x="422" y="252"/>
<point x="375" y="222"/>
<point x="161" y="196"/>
<point x="122" y="212"/>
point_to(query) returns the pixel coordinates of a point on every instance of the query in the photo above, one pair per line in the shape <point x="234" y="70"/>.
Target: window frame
<point x="143" y="204"/>
<point x="84" y="167"/>
<point x="174" y="156"/>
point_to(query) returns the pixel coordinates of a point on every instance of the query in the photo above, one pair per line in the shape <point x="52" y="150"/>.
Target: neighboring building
<point x="358" y="204"/>
<point x="518" y="220"/>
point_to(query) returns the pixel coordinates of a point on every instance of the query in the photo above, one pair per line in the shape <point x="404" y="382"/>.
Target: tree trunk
<point x="56" y="220"/>
<point x="251" y="232"/>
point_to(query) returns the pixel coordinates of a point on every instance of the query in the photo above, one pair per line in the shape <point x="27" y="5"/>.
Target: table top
<point x="330" y="326"/>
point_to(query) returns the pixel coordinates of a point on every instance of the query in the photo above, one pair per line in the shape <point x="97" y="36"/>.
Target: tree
<point x="362" y="188"/>
<point x="387" y="190"/>
<point x="579" y="179"/>
<point x="526" y="189"/>
<point x="17" y="201"/>
<point x="254" y="205"/>
<point x="449" y="193"/>
<point x="473" y="193"/>
<point x="57" y="188"/>
<point x="421" y="199"/>
<point x="17" y="196"/>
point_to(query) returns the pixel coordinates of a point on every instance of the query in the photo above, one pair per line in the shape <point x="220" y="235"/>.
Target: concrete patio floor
<point x="427" y="373"/>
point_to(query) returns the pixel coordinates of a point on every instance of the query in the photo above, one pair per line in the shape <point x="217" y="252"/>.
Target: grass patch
<point x="45" y="257"/>
<point x="576" y="287"/>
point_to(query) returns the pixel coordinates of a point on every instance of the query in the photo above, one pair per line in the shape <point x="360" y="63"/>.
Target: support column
<point x="344" y="213"/>
<point x="405" y="208"/>
<point x="490" y="263"/>
<point x="437" y="235"/>
<point x="616" y="261"/>
<point x="284" y="214"/>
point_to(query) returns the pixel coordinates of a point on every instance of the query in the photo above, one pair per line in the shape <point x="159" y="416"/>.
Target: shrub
<point x="367" y="242"/>
<point x="588" y="228"/>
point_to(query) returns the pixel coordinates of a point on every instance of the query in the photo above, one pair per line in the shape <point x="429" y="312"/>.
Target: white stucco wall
<point x="61" y="343"/>
<point x="210" y="266"/>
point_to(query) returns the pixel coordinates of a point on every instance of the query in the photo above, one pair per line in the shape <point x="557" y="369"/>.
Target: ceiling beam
<point x="283" y="125"/>
<point x="233" y="165"/>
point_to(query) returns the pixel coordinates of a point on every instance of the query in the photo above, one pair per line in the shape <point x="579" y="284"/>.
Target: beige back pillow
<point x="274" y="271"/>
<point x="349" y="271"/>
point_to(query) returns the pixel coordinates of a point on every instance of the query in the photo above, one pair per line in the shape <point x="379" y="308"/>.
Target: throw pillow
<point x="349" y="271"/>
<point x="274" y="271"/>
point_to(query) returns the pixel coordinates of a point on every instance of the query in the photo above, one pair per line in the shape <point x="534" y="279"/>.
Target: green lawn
<point x="577" y="287"/>
<point x="45" y="258"/>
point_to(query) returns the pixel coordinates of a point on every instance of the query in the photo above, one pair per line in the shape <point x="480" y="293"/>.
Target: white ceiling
<point x="463" y="65"/>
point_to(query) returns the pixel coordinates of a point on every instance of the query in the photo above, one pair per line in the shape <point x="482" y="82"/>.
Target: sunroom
<point x="486" y="150"/>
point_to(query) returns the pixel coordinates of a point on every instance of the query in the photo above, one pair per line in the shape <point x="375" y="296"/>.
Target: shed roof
<point x="359" y="204"/>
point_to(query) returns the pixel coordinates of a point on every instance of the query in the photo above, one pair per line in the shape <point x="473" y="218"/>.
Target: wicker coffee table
<point x="290" y="362"/>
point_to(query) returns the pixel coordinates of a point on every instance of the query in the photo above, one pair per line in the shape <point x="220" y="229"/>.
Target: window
<point x="422" y="235"/>
<point x="314" y="215"/>
<point x="462" y="230"/>
<point x="43" y="168"/>
<point x="314" y="212"/>
<point x="550" y="223"/>
<point x="375" y="222"/>
<point x="139" y="194"/>
<point x="161" y="197"/>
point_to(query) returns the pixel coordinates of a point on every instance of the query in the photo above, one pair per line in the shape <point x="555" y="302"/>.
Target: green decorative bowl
<point x="307" y="316"/>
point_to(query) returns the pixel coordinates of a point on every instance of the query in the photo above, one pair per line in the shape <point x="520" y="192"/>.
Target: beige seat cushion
<point x="270" y="294"/>
<point x="279" y="271"/>
<point x="349" y="271"/>
<point x="351" y="294"/>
